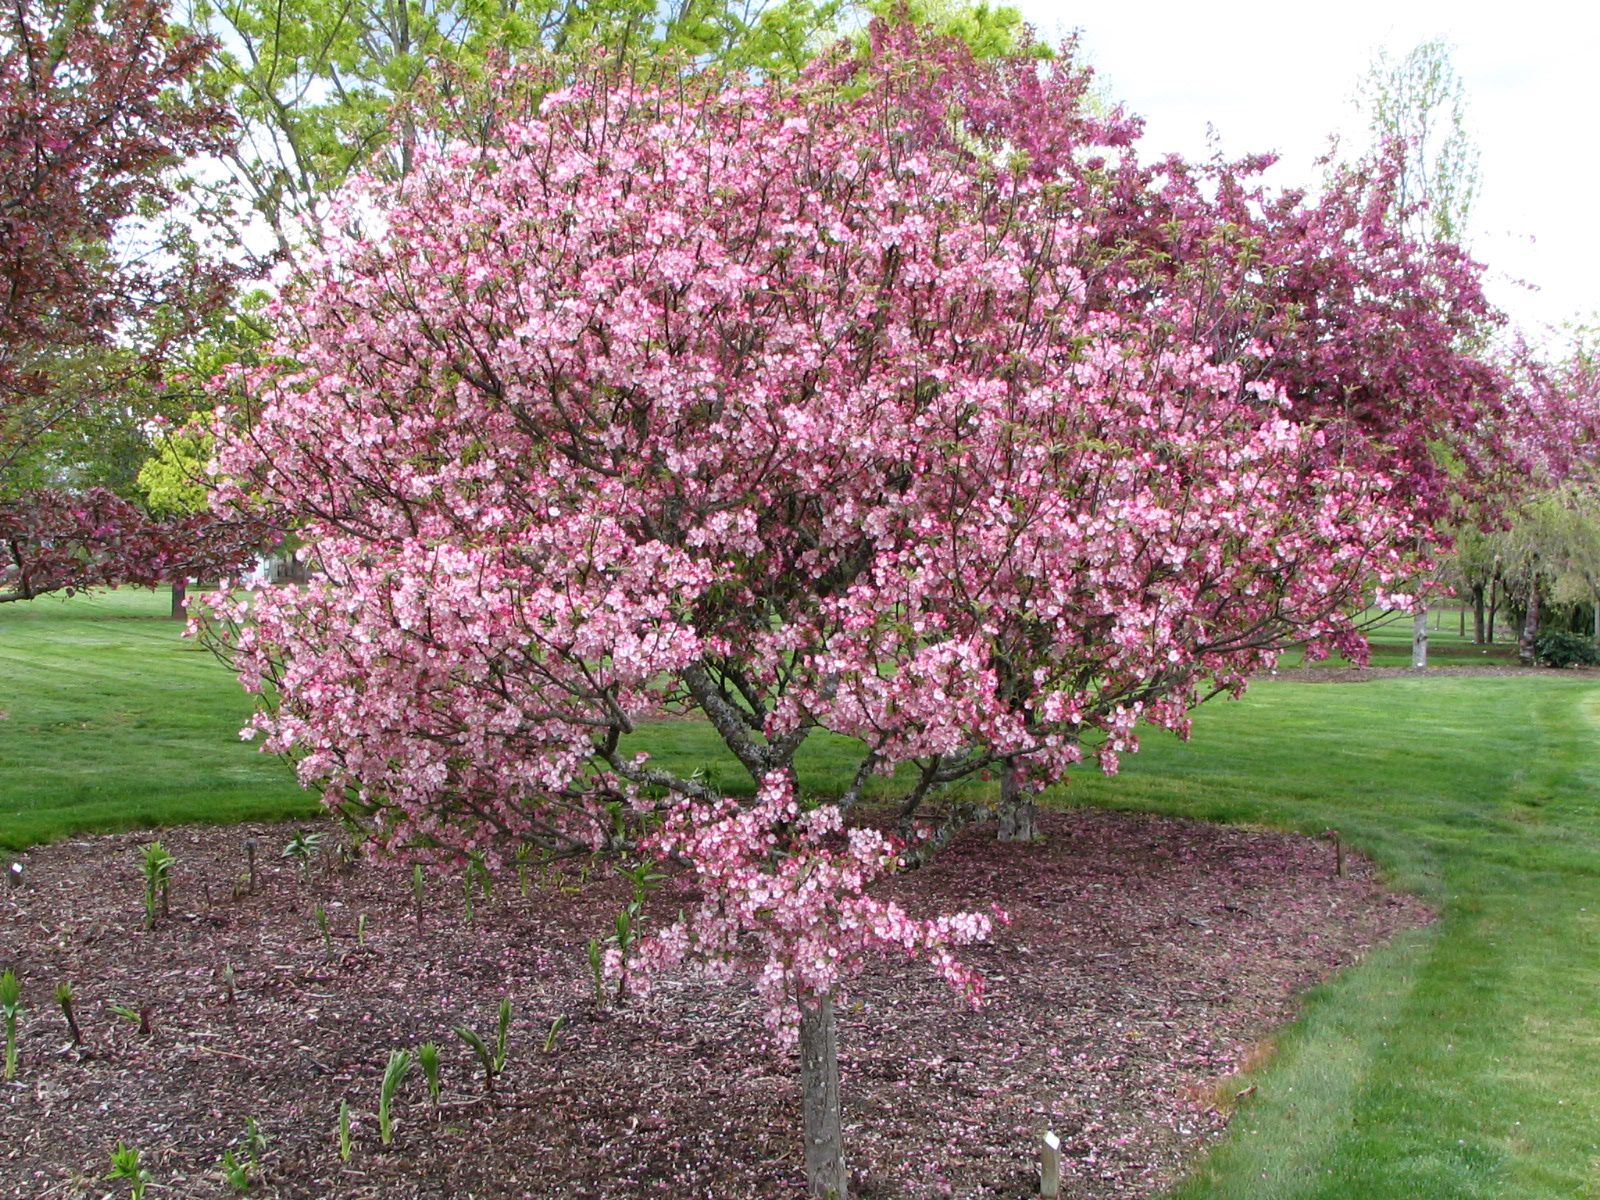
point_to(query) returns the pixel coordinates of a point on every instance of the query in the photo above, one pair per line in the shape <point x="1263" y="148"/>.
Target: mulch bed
<point x="1146" y="960"/>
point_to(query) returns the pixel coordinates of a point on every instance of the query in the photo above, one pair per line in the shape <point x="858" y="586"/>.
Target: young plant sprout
<point x="321" y="915"/>
<point x="135" y="1016"/>
<point x="64" y="999"/>
<point x="303" y="847"/>
<point x="240" y="1173"/>
<point x="644" y="878"/>
<point x="125" y="1165"/>
<point x="394" y="1076"/>
<point x="523" y="853"/>
<point x="503" y="1029"/>
<point x="428" y="1056"/>
<point x="255" y="1142"/>
<point x="418" y="889"/>
<point x="555" y="1028"/>
<point x="344" y="1131"/>
<point x="597" y="970"/>
<point x="480" y="1048"/>
<point x="476" y="877"/>
<point x="493" y="1061"/>
<point x="347" y="855"/>
<point x="10" y="1010"/>
<point x="361" y="930"/>
<point x="156" y="867"/>
<point x="236" y="1173"/>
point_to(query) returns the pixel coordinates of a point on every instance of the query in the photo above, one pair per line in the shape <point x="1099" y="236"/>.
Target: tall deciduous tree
<point x="325" y="90"/>
<point x="900" y="402"/>
<point x="1417" y="103"/>
<point x="97" y="105"/>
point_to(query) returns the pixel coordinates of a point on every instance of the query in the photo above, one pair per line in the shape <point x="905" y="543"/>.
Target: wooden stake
<point x="1049" y="1166"/>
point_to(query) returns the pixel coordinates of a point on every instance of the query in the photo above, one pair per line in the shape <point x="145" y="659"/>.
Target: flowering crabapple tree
<point x="846" y="406"/>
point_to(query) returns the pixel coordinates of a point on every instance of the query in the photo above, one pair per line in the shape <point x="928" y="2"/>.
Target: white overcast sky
<point x="1280" y="76"/>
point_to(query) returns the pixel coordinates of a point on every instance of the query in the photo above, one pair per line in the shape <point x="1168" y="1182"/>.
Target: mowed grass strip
<point x="1450" y="644"/>
<point x="1463" y="1061"/>
<point x="112" y="721"/>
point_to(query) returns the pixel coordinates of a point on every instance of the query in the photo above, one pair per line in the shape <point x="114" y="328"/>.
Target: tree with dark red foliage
<point x="98" y="280"/>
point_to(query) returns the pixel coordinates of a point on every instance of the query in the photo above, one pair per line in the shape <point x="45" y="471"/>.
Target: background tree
<point x="174" y="475"/>
<point x="1418" y="104"/>
<point x="1473" y="570"/>
<point x="325" y="90"/>
<point x="97" y="104"/>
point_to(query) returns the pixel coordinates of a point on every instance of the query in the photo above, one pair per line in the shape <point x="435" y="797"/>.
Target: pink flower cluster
<point x="787" y="892"/>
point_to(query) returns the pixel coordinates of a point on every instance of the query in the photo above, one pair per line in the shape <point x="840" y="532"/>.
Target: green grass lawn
<point x="1449" y="643"/>
<point x="1463" y="1061"/>
<point x="112" y="721"/>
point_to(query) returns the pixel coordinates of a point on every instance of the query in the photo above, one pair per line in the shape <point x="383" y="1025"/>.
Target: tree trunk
<point x="1478" y="627"/>
<point x="1017" y="808"/>
<point x="1494" y="605"/>
<point x="1526" y="652"/>
<point x="826" y="1177"/>
<point x="180" y="600"/>
<point x="1419" y="640"/>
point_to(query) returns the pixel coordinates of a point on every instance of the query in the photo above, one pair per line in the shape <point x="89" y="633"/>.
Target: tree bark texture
<point x="826" y="1176"/>
<point x="1479" y="628"/>
<point x="1018" y="812"/>
<point x="180" y="600"/>
<point x="1526" y="652"/>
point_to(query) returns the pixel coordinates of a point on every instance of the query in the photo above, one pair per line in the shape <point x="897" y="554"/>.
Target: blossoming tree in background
<point x="901" y="403"/>
<point x="97" y="105"/>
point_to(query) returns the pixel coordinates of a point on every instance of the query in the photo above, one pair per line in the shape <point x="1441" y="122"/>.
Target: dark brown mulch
<point x="1145" y="961"/>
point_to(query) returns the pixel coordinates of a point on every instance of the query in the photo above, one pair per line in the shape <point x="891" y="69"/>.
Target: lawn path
<point x="1465" y="1061"/>
<point x="114" y="721"/>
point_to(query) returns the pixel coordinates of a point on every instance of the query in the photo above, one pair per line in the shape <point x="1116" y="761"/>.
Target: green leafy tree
<point x="173" y="478"/>
<point x="1419" y="102"/>
<point x="325" y="88"/>
<point x="1415" y="106"/>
